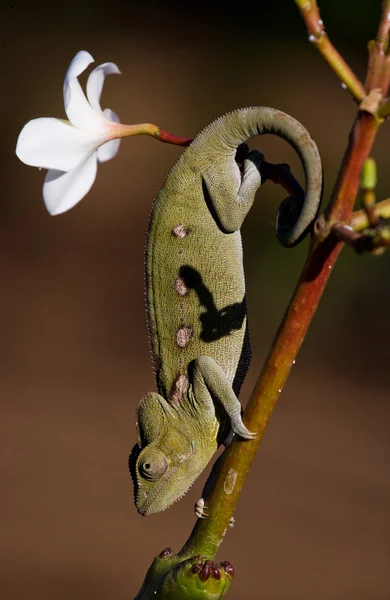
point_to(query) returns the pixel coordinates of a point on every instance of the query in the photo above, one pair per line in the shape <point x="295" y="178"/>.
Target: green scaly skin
<point x="196" y="298"/>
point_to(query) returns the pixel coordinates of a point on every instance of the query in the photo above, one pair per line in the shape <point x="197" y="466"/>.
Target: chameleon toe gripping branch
<point x="196" y="298"/>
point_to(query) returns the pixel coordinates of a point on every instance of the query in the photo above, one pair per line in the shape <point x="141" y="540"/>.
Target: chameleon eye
<point x="152" y="465"/>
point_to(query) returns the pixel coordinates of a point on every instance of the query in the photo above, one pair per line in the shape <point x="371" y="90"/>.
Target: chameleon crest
<point x="196" y="297"/>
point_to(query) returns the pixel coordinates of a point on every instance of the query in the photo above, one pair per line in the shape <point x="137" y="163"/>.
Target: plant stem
<point x="384" y="111"/>
<point x="121" y="130"/>
<point x="378" y="71"/>
<point x="382" y="36"/>
<point x="317" y="35"/>
<point x="359" y="219"/>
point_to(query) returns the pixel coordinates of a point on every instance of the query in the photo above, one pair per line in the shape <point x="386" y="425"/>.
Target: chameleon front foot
<point x="201" y="513"/>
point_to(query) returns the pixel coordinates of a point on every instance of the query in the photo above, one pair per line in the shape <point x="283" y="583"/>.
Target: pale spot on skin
<point x="183" y="336"/>
<point x="180" y="231"/>
<point x="179" y="389"/>
<point x="230" y="481"/>
<point x="180" y="287"/>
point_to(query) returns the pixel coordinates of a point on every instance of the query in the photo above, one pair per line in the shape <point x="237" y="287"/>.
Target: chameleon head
<point x="167" y="460"/>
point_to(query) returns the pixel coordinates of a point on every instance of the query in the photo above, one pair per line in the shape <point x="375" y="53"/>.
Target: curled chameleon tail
<point x="225" y="135"/>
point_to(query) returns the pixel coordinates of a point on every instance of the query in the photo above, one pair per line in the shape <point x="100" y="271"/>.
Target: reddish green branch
<point x="343" y="197"/>
<point x="382" y="36"/>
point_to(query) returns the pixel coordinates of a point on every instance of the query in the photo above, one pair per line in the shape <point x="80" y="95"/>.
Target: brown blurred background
<point x="313" y="521"/>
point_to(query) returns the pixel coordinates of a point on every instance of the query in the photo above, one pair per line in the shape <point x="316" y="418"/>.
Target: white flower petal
<point x="61" y="191"/>
<point x="111" y="116"/>
<point x="95" y="83"/>
<point x="54" y="144"/>
<point x="79" y="112"/>
<point x="78" y="65"/>
<point x="109" y="149"/>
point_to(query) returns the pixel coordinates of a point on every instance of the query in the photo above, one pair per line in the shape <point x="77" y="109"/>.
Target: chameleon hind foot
<point x="239" y="428"/>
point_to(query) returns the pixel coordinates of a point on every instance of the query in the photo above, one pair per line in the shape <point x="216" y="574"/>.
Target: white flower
<point x="71" y="149"/>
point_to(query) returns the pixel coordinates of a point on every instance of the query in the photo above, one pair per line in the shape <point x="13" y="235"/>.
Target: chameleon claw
<point x="200" y="511"/>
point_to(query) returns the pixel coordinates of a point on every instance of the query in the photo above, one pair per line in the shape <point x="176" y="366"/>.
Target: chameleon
<point x="195" y="297"/>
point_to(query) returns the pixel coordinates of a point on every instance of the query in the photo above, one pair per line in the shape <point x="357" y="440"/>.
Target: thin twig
<point x="377" y="49"/>
<point x="318" y="36"/>
<point x="359" y="219"/>
<point x="382" y="36"/>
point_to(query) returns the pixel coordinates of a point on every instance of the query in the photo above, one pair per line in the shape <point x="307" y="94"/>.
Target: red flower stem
<point x="121" y="130"/>
<point x="169" y="138"/>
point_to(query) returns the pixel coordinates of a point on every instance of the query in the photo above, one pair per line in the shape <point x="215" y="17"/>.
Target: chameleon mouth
<point x="148" y="509"/>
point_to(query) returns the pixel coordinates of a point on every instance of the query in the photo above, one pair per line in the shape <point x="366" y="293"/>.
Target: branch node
<point x="371" y="102"/>
<point x="321" y="228"/>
